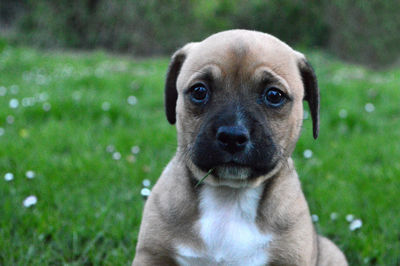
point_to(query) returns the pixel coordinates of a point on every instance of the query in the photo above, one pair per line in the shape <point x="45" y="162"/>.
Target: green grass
<point x="89" y="205"/>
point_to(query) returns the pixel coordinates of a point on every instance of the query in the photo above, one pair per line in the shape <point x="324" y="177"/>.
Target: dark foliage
<point x="361" y="31"/>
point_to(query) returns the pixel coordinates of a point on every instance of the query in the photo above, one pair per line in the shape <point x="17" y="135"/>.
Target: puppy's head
<point x="236" y="98"/>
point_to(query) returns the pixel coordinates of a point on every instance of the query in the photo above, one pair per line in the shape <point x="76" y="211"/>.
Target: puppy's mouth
<point x="235" y="167"/>
<point x="232" y="170"/>
<point x="242" y="169"/>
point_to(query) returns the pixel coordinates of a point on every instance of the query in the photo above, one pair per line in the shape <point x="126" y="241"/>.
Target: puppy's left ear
<point x="171" y="92"/>
<point x="311" y="91"/>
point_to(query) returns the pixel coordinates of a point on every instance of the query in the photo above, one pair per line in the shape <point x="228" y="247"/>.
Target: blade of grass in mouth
<point x="204" y="177"/>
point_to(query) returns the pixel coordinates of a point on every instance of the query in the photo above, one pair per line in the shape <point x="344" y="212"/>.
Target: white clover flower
<point x="349" y="217"/>
<point x="105" y="106"/>
<point x="30" y="174"/>
<point x="30" y="201"/>
<point x="110" y="148"/>
<point x="307" y="154"/>
<point x="135" y="149"/>
<point x="369" y="107"/>
<point x="145" y="192"/>
<point x="146" y="183"/>
<point x="314" y="218"/>
<point x="343" y="113"/>
<point x="334" y="216"/>
<point x="14" y="103"/>
<point x="132" y="100"/>
<point x="8" y="176"/>
<point x="46" y="107"/>
<point x="2" y="131"/>
<point x="42" y="97"/>
<point x="356" y="224"/>
<point x="116" y="156"/>
<point x="306" y="115"/>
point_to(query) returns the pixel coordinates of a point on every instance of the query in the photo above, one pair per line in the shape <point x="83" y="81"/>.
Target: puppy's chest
<point x="228" y="230"/>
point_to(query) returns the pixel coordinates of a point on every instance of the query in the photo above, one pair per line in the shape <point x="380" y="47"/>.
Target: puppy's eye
<point x="274" y="97"/>
<point x="199" y="94"/>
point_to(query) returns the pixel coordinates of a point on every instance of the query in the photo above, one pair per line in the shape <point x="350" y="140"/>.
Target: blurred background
<point x="83" y="133"/>
<point x="367" y="32"/>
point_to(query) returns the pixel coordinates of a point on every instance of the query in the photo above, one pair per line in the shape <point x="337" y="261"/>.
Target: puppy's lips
<point x="232" y="170"/>
<point x="236" y="167"/>
<point x="233" y="164"/>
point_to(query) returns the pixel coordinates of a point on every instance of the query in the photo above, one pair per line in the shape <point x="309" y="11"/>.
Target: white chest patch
<point x="228" y="230"/>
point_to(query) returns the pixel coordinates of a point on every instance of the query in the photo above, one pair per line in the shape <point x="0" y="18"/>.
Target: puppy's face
<point x="237" y="100"/>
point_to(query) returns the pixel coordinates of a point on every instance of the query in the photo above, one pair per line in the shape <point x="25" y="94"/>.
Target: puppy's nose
<point x="232" y="138"/>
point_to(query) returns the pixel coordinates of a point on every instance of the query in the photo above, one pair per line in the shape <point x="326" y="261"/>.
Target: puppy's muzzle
<point x="237" y="148"/>
<point x="232" y="139"/>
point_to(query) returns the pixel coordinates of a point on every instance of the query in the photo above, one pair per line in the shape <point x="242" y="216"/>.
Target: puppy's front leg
<point x="154" y="243"/>
<point x="168" y="218"/>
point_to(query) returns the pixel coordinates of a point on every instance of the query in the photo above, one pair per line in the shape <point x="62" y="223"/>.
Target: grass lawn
<point x="61" y="114"/>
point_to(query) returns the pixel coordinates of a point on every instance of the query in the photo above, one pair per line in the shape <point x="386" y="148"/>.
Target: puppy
<point x="237" y="101"/>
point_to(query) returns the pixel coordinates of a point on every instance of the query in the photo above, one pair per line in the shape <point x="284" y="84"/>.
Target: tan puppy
<point x="237" y="100"/>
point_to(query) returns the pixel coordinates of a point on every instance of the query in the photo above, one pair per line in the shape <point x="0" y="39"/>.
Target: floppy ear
<point x="171" y="92"/>
<point x="311" y="92"/>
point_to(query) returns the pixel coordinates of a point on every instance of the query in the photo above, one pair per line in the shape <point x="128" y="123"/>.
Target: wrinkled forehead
<point x="242" y="57"/>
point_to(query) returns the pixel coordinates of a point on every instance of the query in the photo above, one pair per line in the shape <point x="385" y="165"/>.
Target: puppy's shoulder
<point x="283" y="206"/>
<point x="176" y="182"/>
<point x="170" y="211"/>
<point x="174" y="196"/>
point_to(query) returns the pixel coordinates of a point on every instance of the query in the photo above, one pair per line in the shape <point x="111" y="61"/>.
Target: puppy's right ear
<point x="171" y="92"/>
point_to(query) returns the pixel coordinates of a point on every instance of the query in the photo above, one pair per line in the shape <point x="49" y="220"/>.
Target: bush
<point x="141" y="27"/>
<point x="361" y="31"/>
<point x="364" y="31"/>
